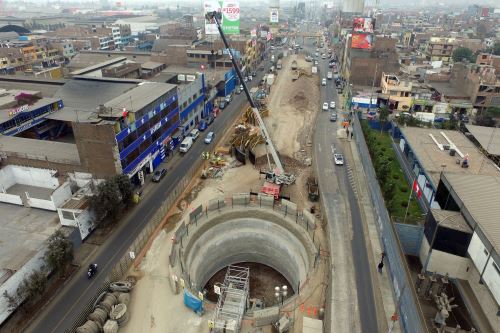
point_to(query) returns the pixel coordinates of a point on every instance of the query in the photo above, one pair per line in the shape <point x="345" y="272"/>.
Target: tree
<point x="462" y="53"/>
<point x="32" y="286"/>
<point x="59" y="251"/>
<point x="125" y="186"/>
<point x="383" y="116"/>
<point x="107" y="202"/>
<point x="496" y="49"/>
<point x="12" y="300"/>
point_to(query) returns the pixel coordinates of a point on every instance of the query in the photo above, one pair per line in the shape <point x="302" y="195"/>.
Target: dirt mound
<point x="299" y="100"/>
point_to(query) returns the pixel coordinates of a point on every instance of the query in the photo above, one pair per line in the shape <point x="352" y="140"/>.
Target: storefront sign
<point x="20" y="109"/>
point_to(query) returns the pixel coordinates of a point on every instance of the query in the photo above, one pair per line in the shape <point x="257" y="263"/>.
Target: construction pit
<point x="222" y="222"/>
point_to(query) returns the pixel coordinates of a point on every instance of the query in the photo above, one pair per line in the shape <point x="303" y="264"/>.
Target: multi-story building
<point x="397" y="92"/>
<point x="440" y="49"/>
<point x="480" y="82"/>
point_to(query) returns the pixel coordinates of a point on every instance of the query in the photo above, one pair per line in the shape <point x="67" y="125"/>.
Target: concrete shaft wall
<point x="248" y="235"/>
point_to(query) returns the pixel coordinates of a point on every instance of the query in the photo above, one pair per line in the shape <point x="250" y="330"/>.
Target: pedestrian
<point x="352" y="133"/>
<point x="380" y="266"/>
<point x="347" y="131"/>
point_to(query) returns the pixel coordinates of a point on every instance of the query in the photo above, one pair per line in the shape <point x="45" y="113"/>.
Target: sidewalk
<point x="382" y="285"/>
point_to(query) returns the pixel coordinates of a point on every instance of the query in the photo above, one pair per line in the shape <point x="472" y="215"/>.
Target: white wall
<point x="491" y="277"/>
<point x="61" y="194"/>
<point x="11" y="198"/>
<point x="486" y="301"/>
<point x="85" y="223"/>
<point x="40" y="203"/>
<point x="477" y="252"/>
<point x="445" y="263"/>
<point x="14" y="174"/>
<point x="64" y="221"/>
<point x="80" y="178"/>
<point x="6" y="178"/>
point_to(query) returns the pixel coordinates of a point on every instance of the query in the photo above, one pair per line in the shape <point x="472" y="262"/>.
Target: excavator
<point x="274" y="177"/>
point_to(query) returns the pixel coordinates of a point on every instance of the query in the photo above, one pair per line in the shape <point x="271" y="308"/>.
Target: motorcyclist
<point x="92" y="270"/>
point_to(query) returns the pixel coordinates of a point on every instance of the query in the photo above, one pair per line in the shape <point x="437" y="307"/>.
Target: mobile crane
<point x="277" y="175"/>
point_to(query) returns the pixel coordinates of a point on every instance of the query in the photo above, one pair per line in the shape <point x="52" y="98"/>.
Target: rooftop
<point x="479" y="194"/>
<point x="448" y="90"/>
<point x="434" y="160"/>
<point x="51" y="151"/>
<point x="139" y="97"/>
<point x="22" y="232"/>
<point x="451" y="220"/>
<point x="47" y="87"/>
<point x="488" y="137"/>
<point x="90" y="58"/>
<point x="5" y="113"/>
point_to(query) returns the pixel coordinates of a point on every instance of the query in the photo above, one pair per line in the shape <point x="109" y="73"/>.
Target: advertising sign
<point x="362" y="41"/>
<point x="230" y="16"/>
<point x="211" y="6"/>
<point x="363" y="24"/>
<point x="273" y="15"/>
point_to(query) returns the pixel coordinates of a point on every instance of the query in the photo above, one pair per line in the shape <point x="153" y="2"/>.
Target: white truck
<point x="186" y="144"/>
<point x="314" y="69"/>
<point x="329" y="75"/>
<point x="270" y="79"/>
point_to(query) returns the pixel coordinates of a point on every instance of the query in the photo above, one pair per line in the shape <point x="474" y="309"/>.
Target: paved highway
<point x="348" y="248"/>
<point x="63" y="310"/>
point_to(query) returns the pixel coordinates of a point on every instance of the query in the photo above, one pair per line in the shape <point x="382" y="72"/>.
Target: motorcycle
<point x="91" y="271"/>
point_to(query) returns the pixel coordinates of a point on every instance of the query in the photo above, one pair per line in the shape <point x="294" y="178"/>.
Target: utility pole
<point x="373" y="84"/>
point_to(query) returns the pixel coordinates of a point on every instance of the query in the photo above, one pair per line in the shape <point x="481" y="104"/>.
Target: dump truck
<point x="312" y="189"/>
<point x="294" y="65"/>
<point x="278" y="64"/>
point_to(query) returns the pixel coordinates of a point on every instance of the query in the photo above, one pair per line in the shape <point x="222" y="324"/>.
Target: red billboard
<point x="363" y="24"/>
<point x="362" y="41"/>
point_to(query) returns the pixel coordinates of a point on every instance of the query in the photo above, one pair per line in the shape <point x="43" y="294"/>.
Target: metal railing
<point x="410" y="314"/>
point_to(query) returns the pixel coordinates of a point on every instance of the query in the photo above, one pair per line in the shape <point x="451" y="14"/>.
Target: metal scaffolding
<point x="232" y="300"/>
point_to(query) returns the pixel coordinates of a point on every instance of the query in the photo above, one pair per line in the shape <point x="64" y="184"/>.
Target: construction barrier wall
<point x="410" y="313"/>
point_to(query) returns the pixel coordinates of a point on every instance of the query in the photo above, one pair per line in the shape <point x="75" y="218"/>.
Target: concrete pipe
<point x="111" y="326"/>
<point x="99" y="315"/>
<point x="124" y="298"/>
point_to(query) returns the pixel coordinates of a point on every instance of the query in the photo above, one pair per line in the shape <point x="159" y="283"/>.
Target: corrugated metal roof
<point x="451" y="220"/>
<point x="488" y="137"/>
<point x="481" y="197"/>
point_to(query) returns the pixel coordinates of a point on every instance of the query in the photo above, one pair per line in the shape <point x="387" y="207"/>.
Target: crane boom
<point x="280" y="171"/>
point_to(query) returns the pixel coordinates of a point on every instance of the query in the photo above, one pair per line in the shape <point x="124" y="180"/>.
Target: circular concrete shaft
<point x="247" y="235"/>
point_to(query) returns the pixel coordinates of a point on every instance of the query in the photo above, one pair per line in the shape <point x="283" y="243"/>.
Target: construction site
<point x="240" y="252"/>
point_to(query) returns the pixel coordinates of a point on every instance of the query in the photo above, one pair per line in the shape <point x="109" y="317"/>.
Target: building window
<point x="67" y="215"/>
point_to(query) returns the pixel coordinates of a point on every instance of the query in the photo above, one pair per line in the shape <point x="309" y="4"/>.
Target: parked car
<point x="325" y="106"/>
<point x="186" y="144"/>
<point x="254" y="74"/>
<point x="237" y="91"/>
<point x="194" y="134"/>
<point x="333" y="117"/>
<point x="158" y="175"/>
<point x="222" y="105"/>
<point x="209" y="137"/>
<point x="202" y="126"/>
<point x="250" y="77"/>
<point x="323" y="56"/>
<point x="210" y="119"/>
<point x="228" y="99"/>
<point x="332" y="105"/>
<point x="339" y="159"/>
<point x="241" y="87"/>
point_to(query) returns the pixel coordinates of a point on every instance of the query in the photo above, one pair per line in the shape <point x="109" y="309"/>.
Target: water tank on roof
<point x="24" y="38"/>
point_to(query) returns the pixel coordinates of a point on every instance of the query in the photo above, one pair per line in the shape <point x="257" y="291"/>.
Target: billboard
<point x="362" y="41"/>
<point x="273" y="15"/>
<point x="230" y="16"/>
<point x="363" y="24"/>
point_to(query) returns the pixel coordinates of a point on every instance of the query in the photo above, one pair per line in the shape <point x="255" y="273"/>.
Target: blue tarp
<point x="193" y="302"/>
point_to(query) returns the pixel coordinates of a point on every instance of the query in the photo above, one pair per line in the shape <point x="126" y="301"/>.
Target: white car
<point x="323" y="56"/>
<point x="332" y="105"/>
<point x="325" y="106"/>
<point x="323" y="82"/>
<point x="339" y="159"/>
<point x="209" y="137"/>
